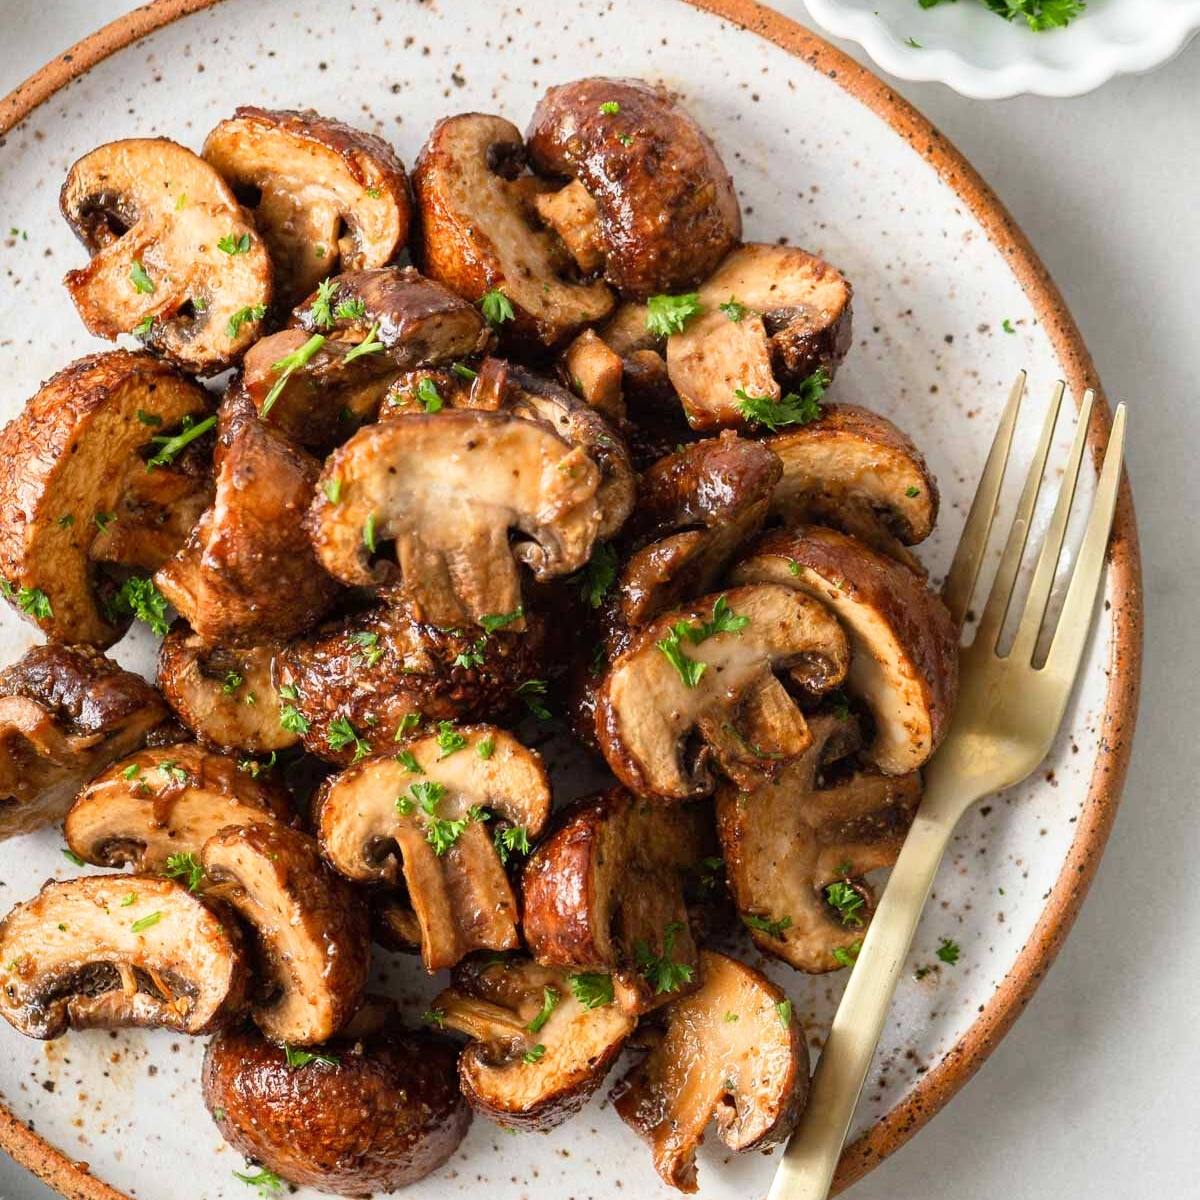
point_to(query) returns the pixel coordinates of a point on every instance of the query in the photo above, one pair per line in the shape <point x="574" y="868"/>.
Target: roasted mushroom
<point x="708" y="671"/>
<point x="733" y="1050"/>
<point x="155" y="810"/>
<point x="769" y="315"/>
<point x="325" y="196"/>
<point x="796" y="849"/>
<point x="311" y="933"/>
<point x="175" y="260"/>
<point x="377" y="674"/>
<point x="224" y="695"/>
<point x="422" y="818"/>
<point x="651" y="200"/>
<point x="904" y="645"/>
<point x="108" y="951"/>
<point x="594" y="370"/>
<point x="478" y="235"/>
<point x="81" y="468"/>
<point x="542" y="1038"/>
<point x="447" y="489"/>
<point x="855" y="471"/>
<point x="247" y="572"/>
<point x="365" y="1114"/>
<point x="606" y="889"/>
<point x="66" y="712"/>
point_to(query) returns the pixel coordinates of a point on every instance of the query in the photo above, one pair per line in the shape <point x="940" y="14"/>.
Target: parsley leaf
<point x="847" y="900"/>
<point x="141" y="281"/>
<point x="795" y="408"/>
<point x="533" y="1055"/>
<point x="185" y="866"/>
<point x="494" y="621"/>
<point x="427" y="795"/>
<point x="609" y="107"/>
<point x="550" y="999"/>
<point x="291" y="718"/>
<point x="322" y="306"/>
<point x="341" y="734"/>
<point x="139" y="598"/>
<point x="429" y="396"/>
<point x="734" y="310"/>
<point x="948" y="951"/>
<point x="146" y="922"/>
<point x="408" y="760"/>
<point x="449" y="740"/>
<point x="143" y="327"/>
<point x="351" y="310"/>
<point x="784" y="1011"/>
<point x="33" y="601"/>
<point x="71" y="856"/>
<point x="846" y="956"/>
<point x="368" y="533"/>
<point x="509" y="840"/>
<point x="285" y="367"/>
<point x="463" y="371"/>
<point x="232" y="682"/>
<point x="267" y="1182"/>
<point x="333" y="490"/>
<point x="234" y="245"/>
<point x="496" y="307"/>
<point x="662" y="971"/>
<point x="171" y="447"/>
<point x="669" y="314"/>
<point x="765" y="925"/>
<point x="597" y="575"/>
<point x="485" y="747"/>
<point x="301" y="1058"/>
<point x="593" y="989"/>
<point x="531" y="691"/>
<point x="254" y="312"/>
<point x="724" y="620"/>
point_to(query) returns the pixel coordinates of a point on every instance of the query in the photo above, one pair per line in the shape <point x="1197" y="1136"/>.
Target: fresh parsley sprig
<point x="795" y="408"/>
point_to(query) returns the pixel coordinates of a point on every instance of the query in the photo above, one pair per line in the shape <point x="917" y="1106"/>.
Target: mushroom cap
<point x="224" y="695"/>
<point x="75" y="452"/>
<point x="494" y="1004"/>
<point x="247" y="572"/>
<point x="751" y="1073"/>
<point x="666" y="208"/>
<point x="82" y="954"/>
<point x="904" y="644"/>
<point x="386" y="1115"/>
<point x="311" y="930"/>
<point x="788" y="840"/>
<point x="447" y="488"/>
<point x="646" y="711"/>
<point x="853" y="470"/>
<point x="795" y="321"/>
<point x="66" y="712"/>
<point x="374" y="823"/>
<point x="377" y="668"/>
<point x="172" y="803"/>
<point x="150" y="202"/>
<point x="477" y="233"/>
<point x="328" y="195"/>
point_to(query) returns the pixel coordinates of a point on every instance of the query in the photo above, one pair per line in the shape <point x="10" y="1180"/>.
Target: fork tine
<point x="964" y="571"/>
<point x="1070" y="635"/>
<point x="1000" y="596"/>
<point x="1025" y="641"/>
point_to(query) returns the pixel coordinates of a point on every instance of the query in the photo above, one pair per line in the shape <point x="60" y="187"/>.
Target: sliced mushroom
<point x="66" y="712"/>
<point x="606" y="889"/>
<point x="904" y="645"/>
<point x="447" y="489"/>
<point x="796" y="845"/>
<point x="786" y="316"/>
<point x="478" y="233"/>
<point x="855" y="471"/>
<point x="594" y="371"/>
<point x="174" y="258"/>
<point x="310" y="927"/>
<point x="224" y="695"/>
<point x="749" y="1072"/>
<point x="648" y="713"/>
<point x="325" y="196"/>
<point x="247" y="572"/>
<point x="383" y="820"/>
<point x="542" y="1038"/>
<point x="107" y="951"/>
<point x="378" y="672"/>
<point x="663" y="211"/>
<point x="368" y="1114"/>
<point x="75" y="469"/>
<point x="166" y="803"/>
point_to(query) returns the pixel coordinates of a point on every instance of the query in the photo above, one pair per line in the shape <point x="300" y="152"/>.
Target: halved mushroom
<point x="165" y="804"/>
<point x="310" y="927"/>
<point x="733" y="1050"/>
<point x="224" y="695"/>
<point x="368" y="1113"/>
<point x="422" y="818"/>
<point x="380" y="672"/>
<point x="769" y="315"/>
<point x="78" y="467"/>
<point x="855" y="471"/>
<point x="796" y="849"/>
<point x="66" y="712"/>
<point x="651" y="196"/>
<point x="175" y="260"/>
<point x="542" y="1038"/>
<point x="247" y="572"/>
<point x="904" y="645"/>
<point x="324" y="195"/>
<point x="107" y="951"/>
<point x="447" y="489"/>
<point x="707" y="672"/>
<point x="594" y="370"/>
<point x="478" y="234"/>
<point x="606" y="889"/>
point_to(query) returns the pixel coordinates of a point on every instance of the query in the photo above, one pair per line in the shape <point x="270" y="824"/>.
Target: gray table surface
<point x="1093" y="1092"/>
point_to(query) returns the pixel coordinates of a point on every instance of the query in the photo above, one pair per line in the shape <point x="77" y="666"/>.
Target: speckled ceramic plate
<point x="824" y="155"/>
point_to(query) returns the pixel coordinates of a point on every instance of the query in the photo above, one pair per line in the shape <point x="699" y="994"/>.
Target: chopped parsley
<point x="146" y="922"/>
<point x="322" y="306"/>
<point x="509" y="840"/>
<point x="254" y="312"/>
<point x="666" y="315"/>
<point x="485" y="747"/>
<point x="765" y="925"/>
<point x="170" y="448"/>
<point x="187" y="867"/>
<point x="597" y="575"/>
<point x="143" y="327"/>
<point x="473" y="655"/>
<point x="846" y="900"/>
<point x="71" y="856"/>
<point x="690" y="670"/>
<point x="441" y="833"/>
<point x="147" y="418"/>
<point x="491" y="622"/>
<point x="351" y="310"/>
<point x="333" y="490"/>
<point x="234" y="245"/>
<point x="846" y="956"/>
<point x="948" y="951"/>
<point x="301" y="1058"/>
<point x="139" y="598"/>
<point x="610" y="107"/>
<point x="427" y="795"/>
<point x="496" y="307"/>
<point x="286" y="366"/>
<point x="434" y="1016"/>
<point x="449" y="740"/>
<point x="267" y="1182"/>
<point x="291" y="719"/>
<point x="784" y="1011"/>
<point x="428" y="395"/>
<point x="232" y="682"/>
<point x="662" y="971"/>
<point x="30" y="600"/>
<point x="408" y="723"/>
<point x="463" y="371"/>
<point x="104" y="520"/>
<point x="368" y="533"/>
<point x="550" y="1000"/>
<point x="593" y="989"/>
<point x="1007" y="326"/>
<point x="795" y="408"/>
<point x="531" y="692"/>
<point x="533" y="1055"/>
<point x="1039" y="15"/>
<point x="129" y="899"/>
<point x="626" y="139"/>
<point x="374" y="192"/>
<point x="141" y="281"/>
<point x="734" y="310"/>
<point x="912" y="491"/>
<point x="341" y="734"/>
<point x="408" y="760"/>
<point x="369" y="345"/>
<point x="132" y="771"/>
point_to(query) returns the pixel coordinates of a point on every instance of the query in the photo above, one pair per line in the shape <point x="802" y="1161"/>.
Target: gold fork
<point x="1009" y="710"/>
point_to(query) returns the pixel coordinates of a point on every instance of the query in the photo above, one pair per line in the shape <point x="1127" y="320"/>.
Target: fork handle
<point x="811" y="1157"/>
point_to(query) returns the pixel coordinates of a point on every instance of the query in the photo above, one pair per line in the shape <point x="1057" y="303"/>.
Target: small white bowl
<point x="983" y="56"/>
